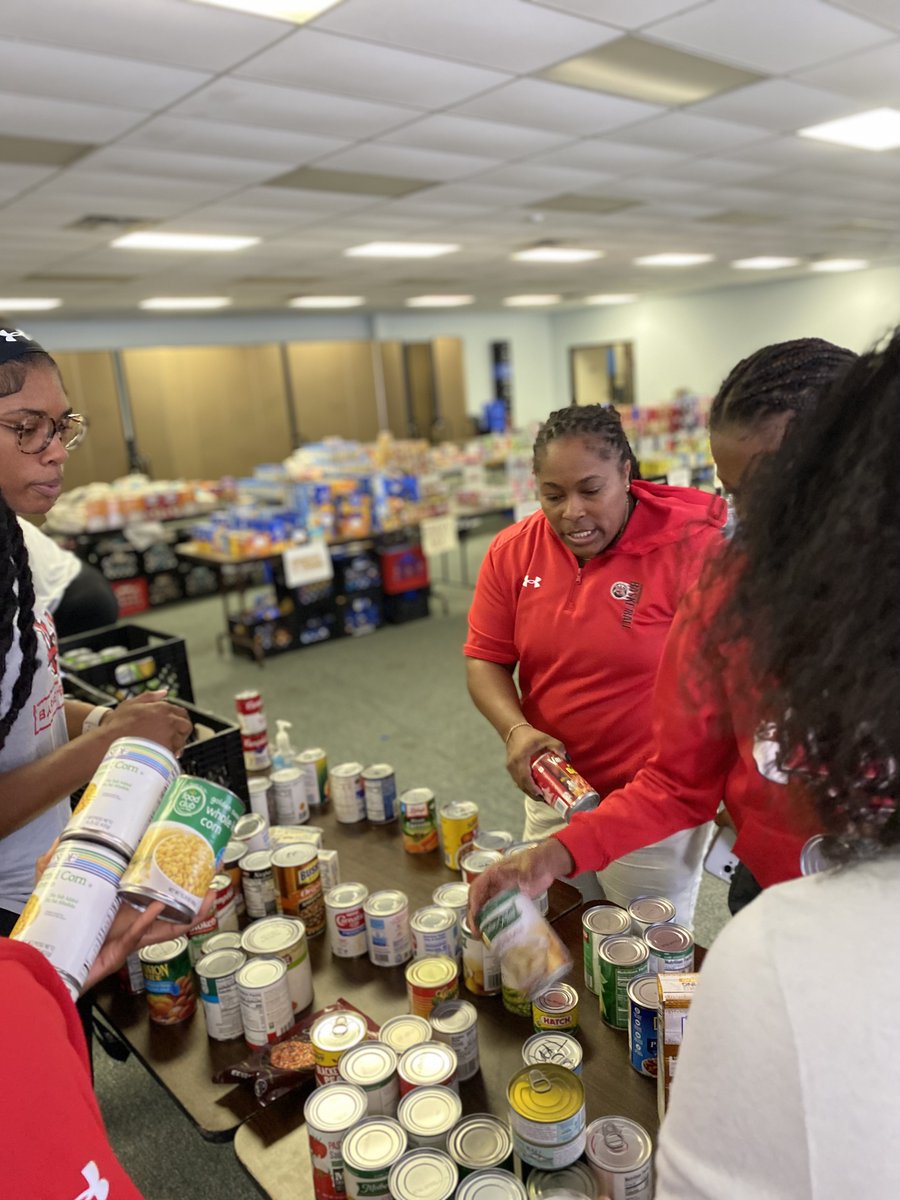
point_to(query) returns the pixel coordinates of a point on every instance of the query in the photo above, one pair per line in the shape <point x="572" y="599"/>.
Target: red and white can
<point x="250" y="711"/>
<point x="256" y="751"/>
<point x="561" y="786"/>
<point x="330" y="1113"/>
<point x="226" y="906"/>
<point x="265" y="997"/>
<point x="428" y="1065"/>
<point x="345" y="919"/>
<point x="476" y="861"/>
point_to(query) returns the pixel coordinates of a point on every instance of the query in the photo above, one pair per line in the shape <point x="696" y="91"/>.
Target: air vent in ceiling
<point x="107" y="222"/>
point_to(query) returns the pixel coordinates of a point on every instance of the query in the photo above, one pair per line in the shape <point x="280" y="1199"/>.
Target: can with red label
<point x="428" y="1065"/>
<point x="431" y="981"/>
<point x="265" y="997"/>
<point x="250" y="711"/>
<point x="477" y="861"/>
<point x="298" y="885"/>
<point x="226" y="906"/>
<point x="561" y="786"/>
<point x="330" y="1113"/>
<point x="345" y="919"/>
<point x="256" y="751"/>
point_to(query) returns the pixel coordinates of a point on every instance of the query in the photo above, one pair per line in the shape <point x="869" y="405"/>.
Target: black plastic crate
<point x="406" y="606"/>
<point x="151" y="660"/>
<point x="263" y="638"/>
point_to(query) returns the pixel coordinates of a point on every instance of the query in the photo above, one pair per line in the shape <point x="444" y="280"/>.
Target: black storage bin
<point x="151" y="660"/>
<point x="360" y="613"/>
<point x="406" y="606"/>
<point x="263" y="638"/>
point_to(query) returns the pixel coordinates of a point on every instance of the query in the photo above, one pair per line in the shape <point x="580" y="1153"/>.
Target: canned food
<point x="532" y="956"/>
<point x="219" y="995"/>
<point x="179" y="854"/>
<point x="492" y="839"/>
<point x="256" y="751"/>
<point x="330" y="1036"/>
<point x="68" y="915"/>
<point x="620" y="1153"/>
<point x="427" y="1114"/>
<point x="597" y="924"/>
<point x="560" y="1049"/>
<point x="231" y="865"/>
<point x="253" y="830"/>
<point x="423" y="1175"/>
<point x="228" y="940"/>
<point x="560" y="785"/>
<point x="369" y="1151"/>
<point x="477" y="861"/>
<point x="404" y="1031"/>
<point x="430" y="981"/>
<point x="123" y="794"/>
<point x="329" y="1114"/>
<point x="578" y="1180"/>
<point x="258" y="883"/>
<point x="650" y="910"/>
<point x="435" y="930"/>
<point x="262" y="798"/>
<point x="621" y="959"/>
<point x="643" y="1007"/>
<point x="547" y="1115"/>
<point x="265" y="997"/>
<point x="130" y="976"/>
<point x="372" y="1066"/>
<point x="169" y="981"/>
<point x="313" y="765"/>
<point x="291" y="803"/>
<point x="250" y="711"/>
<point x="283" y="938"/>
<point x="671" y="949"/>
<point x="345" y="919"/>
<point x="453" y="895"/>
<point x="542" y="901"/>
<point x="347" y="793"/>
<point x="428" y="1065"/>
<point x="418" y="821"/>
<point x="458" y="824"/>
<point x="480" y="1142"/>
<point x="298" y="885"/>
<point x="455" y="1023"/>
<point x="495" y="1184"/>
<point x="387" y="928"/>
<point x="481" y="966"/>
<point x="225" y="906"/>
<point x="555" y="1010"/>
<point x="329" y="869"/>
<point x="199" y="934"/>
<point x="380" y="793"/>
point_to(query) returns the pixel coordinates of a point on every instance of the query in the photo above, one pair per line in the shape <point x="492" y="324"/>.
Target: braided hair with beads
<point x="594" y="422"/>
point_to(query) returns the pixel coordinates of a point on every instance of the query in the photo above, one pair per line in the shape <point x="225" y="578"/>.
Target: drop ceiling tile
<point x="15" y="177"/>
<point x="404" y="161"/>
<point x="615" y="157"/>
<point x="626" y="14"/>
<point x="466" y="135"/>
<point x="778" y="104"/>
<point x="106" y="190"/>
<point x="506" y="35"/>
<point x="197" y="167"/>
<point x="769" y="35"/>
<point x="33" y="117"/>
<point x="186" y="135"/>
<point x="882" y="12"/>
<point x="288" y="200"/>
<point x="552" y="179"/>
<point x="543" y="105"/>
<point x="332" y="181"/>
<point x="872" y="76"/>
<point x="684" y="132"/>
<point x="716" y="170"/>
<point x="781" y="152"/>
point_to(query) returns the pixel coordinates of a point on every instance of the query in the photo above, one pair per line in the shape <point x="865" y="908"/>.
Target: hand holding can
<point x="531" y="872"/>
<point x="523" y="743"/>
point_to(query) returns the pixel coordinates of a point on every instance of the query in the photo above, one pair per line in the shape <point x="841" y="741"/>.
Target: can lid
<point x="373" y="1144"/>
<point x="248" y="826"/>
<point x="453" y="1016"/>
<point x="378" y="771"/>
<point x="432" y="919"/>
<point x="429" y="1111"/>
<point x="494" y="1184"/>
<point x="433" y="972"/>
<point x="337" y="1031"/>
<point x="286" y="775"/>
<point x="459" y="810"/>
<point x="346" y="770"/>
<point x="271" y="935"/>
<point x="315" y="754"/>
<point x="651" y="910"/>
<point x="575" y="1180"/>
<point x="559" y="1048"/>
<point x="404" y="1031"/>
<point x="644" y="992"/>
<point x="423" y="1175"/>
<point x="385" y="903"/>
<point x="624" y="951"/>
<point x="163" y="951"/>
<point x="606" y="920"/>
<point x="225" y="939"/>
<point x="346" y="895"/>
<point x="256" y="860"/>
<point x="492" y="839"/>
<point x="219" y="963"/>
<point x="429" y="1062"/>
<point x="370" y="1063"/>
<point x="479" y="860"/>
<point x="261" y="972"/>
<point x="480" y="1141"/>
<point x="668" y="938"/>
<point x="258" y="783"/>
<point x="295" y="854"/>
<point x="419" y="795"/>
<point x="451" y="895"/>
<point x="221" y="882"/>
<point x="233" y="853"/>
<point x="545" y="1093"/>
<point x="560" y="998"/>
<point x="617" y="1144"/>
<point x="335" y="1107"/>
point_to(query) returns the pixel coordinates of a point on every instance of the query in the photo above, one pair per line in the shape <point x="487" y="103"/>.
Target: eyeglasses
<point x="35" y="432"/>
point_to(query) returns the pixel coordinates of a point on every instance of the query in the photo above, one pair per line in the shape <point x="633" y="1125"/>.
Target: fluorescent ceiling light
<point x="673" y="260"/>
<point x="186" y="303"/>
<point x="764" y="262"/>
<point x="327" y="301"/>
<point x="878" y="129"/>
<point x="296" y="11"/>
<point x="28" y="304"/>
<point x="839" y="264"/>
<point x="611" y="298"/>
<point x="182" y="241"/>
<point x="556" y="254"/>
<point x="439" y="301"/>
<point x="401" y="250"/>
<point x="531" y="301"/>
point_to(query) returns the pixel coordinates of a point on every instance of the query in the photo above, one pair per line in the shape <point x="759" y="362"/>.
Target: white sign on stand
<point x="309" y="563"/>
<point x="439" y="534"/>
<point x="679" y="477"/>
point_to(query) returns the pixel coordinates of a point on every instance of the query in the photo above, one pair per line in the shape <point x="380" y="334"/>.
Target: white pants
<point x="671" y="868"/>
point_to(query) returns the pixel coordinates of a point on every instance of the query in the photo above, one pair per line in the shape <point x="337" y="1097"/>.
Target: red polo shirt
<point x="588" y="637"/>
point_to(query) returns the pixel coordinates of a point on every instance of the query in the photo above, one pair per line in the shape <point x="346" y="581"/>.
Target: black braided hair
<point x="787" y="377"/>
<point x="16" y="615"/>
<point x="593" y="422"/>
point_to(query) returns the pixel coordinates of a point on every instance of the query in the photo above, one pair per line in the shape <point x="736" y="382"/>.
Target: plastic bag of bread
<point x="532" y="955"/>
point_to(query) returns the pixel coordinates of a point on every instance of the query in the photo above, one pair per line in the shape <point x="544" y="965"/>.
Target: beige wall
<point x="90" y="381"/>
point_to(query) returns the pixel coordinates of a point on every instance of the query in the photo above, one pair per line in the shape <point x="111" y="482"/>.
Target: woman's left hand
<point x="132" y="929"/>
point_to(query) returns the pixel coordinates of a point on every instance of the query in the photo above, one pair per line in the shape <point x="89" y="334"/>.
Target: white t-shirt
<point x="788" y="1083"/>
<point x="52" y="567"/>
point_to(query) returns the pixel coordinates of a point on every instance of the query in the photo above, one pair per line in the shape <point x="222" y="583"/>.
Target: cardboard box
<point x="675" y="995"/>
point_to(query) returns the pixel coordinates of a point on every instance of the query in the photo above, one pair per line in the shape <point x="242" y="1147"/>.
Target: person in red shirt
<point x="708" y="742"/>
<point x="580" y="597"/>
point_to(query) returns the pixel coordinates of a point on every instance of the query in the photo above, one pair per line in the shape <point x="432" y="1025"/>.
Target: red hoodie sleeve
<point x="53" y="1144"/>
<point x="683" y="782"/>
<point x="492" y="617"/>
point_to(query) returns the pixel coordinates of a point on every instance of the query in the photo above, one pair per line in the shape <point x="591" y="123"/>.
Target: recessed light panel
<point x="531" y="300"/>
<point x="401" y="250"/>
<point x="28" y="304"/>
<point x="673" y="260"/>
<point x="611" y="298"/>
<point x="878" y="129"/>
<point x="764" y="262"/>
<point x="836" y="265"/>
<point x="327" y="301"/>
<point x="298" y="12"/>
<point x="556" y="254"/>
<point x="184" y="303"/>
<point x="202" y="242"/>
<point x="439" y="301"/>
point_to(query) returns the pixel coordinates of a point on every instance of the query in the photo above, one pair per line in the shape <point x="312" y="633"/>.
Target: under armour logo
<point x="536" y="582"/>
<point x="14" y="335"/>
<point x="97" y="1188"/>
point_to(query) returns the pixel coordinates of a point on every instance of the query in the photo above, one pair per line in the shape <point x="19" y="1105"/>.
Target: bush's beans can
<point x="561" y="786"/>
<point x="291" y="801"/>
<point x="430" y="981"/>
<point x="481" y="966"/>
<point x="290" y="835"/>
<point x="331" y="1036"/>
<point x="621" y="959"/>
<point x="262" y="797"/>
<point x="298" y="885"/>
<point x="480" y="1142"/>
<point x="258" y="883"/>
<point x="547" y="1116"/>
<point x="372" y="1066"/>
<point x="228" y="940"/>
<point x="387" y="928"/>
<point x="283" y="938"/>
<point x="555" y="1010"/>
<point x="430" y="1064"/>
<point x="347" y="793"/>
<point x="345" y="919"/>
<point x="168" y="981"/>
<point x="650" y="910"/>
<point x="560" y="1049"/>
<point x="329" y="1114"/>
<point x="578" y="1180"/>
<point x="231" y="865"/>
<point x="180" y="853"/>
<point x="403" y="1031"/>
<point x="265" y="997"/>
<point x="597" y="924"/>
<point x="130" y="976"/>
<point x="620" y="1154"/>
<point x="369" y="1151"/>
<point x="418" y="821"/>
<point x="458" y="824"/>
<point x="455" y="1022"/>
<point x="427" y="1114"/>
<point x="69" y="913"/>
<point x="123" y="794"/>
<point x="380" y="791"/>
<point x="423" y="1174"/>
<point x="671" y="949"/>
<point x="219" y="996"/>
<point x="477" y="861"/>
<point x="435" y="930"/>
<point x="492" y="839"/>
<point x="253" y="830"/>
<point x="256" y="751"/>
<point x="250" y="711"/>
<point x="491" y="1184"/>
<point x="314" y="766"/>
<point x="329" y="869"/>
<point x="226" y="906"/>
<point x="643" y="1008"/>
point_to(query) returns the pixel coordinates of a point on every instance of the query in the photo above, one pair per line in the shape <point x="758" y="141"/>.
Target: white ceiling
<point x="190" y="114"/>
